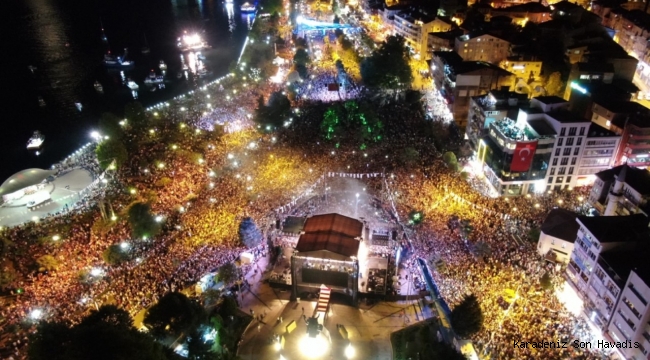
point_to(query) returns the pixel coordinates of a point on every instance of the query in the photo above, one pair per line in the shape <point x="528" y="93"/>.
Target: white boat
<point x="132" y="85"/>
<point x="98" y="87"/>
<point x="191" y="42"/>
<point x="79" y="106"/>
<point x="35" y="141"/>
<point x="247" y="8"/>
<point x="154" y="79"/>
<point x="162" y="65"/>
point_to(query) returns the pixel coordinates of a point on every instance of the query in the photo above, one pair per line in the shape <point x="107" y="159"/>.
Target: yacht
<point x="153" y="79"/>
<point x="112" y="61"/>
<point x="132" y="85"/>
<point x="98" y="87"/>
<point x="191" y="42"/>
<point x="162" y="66"/>
<point x="248" y="8"/>
<point x="35" y="141"/>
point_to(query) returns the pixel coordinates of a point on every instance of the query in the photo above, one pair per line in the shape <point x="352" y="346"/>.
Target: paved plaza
<point x="64" y="190"/>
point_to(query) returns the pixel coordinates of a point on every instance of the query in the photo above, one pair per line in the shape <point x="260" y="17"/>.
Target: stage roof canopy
<point x="23" y="179"/>
<point x="333" y="233"/>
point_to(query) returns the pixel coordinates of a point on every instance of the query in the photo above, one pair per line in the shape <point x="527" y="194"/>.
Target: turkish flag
<point x="523" y="156"/>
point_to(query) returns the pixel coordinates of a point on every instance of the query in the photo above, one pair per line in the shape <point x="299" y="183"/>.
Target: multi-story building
<point x="415" y="27"/>
<point x="622" y="190"/>
<point x="442" y="41"/>
<point x="597" y="278"/>
<point x="631" y="121"/>
<point x="558" y="235"/>
<point x="522" y="13"/>
<point x="597" y="153"/>
<point x="493" y="106"/>
<point x="527" y="69"/>
<point x="458" y="81"/>
<point x="482" y="47"/>
<point x="589" y="72"/>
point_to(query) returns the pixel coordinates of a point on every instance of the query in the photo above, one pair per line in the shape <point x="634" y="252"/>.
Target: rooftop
<point x="596" y="130"/>
<point x="549" y="100"/>
<point x="293" y="224"/>
<point x="331" y="232"/>
<point x="566" y="117"/>
<point x="509" y="129"/>
<point x="608" y="228"/>
<point x="531" y="7"/>
<point x="566" y="6"/>
<point x="621" y="263"/>
<point x="561" y="224"/>
<point x="637" y="179"/>
<point x="23" y="179"/>
<point x="594" y="67"/>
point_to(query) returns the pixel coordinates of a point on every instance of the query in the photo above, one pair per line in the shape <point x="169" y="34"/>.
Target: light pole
<point x="356" y="205"/>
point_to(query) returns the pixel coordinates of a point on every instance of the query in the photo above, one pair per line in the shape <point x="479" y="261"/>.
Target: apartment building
<point x="415" y="25"/>
<point x="458" y="81"/>
<point x="525" y="68"/>
<point x="493" y="106"/>
<point x="593" y="271"/>
<point x="558" y="235"/>
<point x="631" y="121"/>
<point x="522" y="13"/>
<point x="482" y="47"/>
<point x="622" y="190"/>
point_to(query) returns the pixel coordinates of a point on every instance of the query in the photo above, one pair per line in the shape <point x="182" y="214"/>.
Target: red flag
<point x="523" y="156"/>
<point x="333" y="87"/>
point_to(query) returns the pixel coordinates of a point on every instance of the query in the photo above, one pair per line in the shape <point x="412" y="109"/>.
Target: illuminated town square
<point x="366" y="181"/>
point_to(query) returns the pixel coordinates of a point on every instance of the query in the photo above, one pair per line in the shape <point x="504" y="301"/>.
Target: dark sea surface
<point x="63" y="40"/>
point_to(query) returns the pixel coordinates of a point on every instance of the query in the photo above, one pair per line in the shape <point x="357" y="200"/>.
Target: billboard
<point x="522" y="158"/>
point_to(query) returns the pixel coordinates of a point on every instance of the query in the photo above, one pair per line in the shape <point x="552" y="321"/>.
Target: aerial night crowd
<point x="202" y="182"/>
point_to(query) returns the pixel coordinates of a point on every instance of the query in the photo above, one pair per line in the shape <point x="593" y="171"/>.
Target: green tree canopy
<point x="174" y="315"/>
<point x="47" y="262"/>
<point x="388" y="66"/>
<point x="276" y="112"/>
<point x="228" y="273"/>
<point x="114" y="255"/>
<point x="109" y="125"/>
<point x="106" y="334"/>
<point x="135" y="115"/>
<point x="467" y="317"/>
<point x="142" y="221"/>
<point x="301" y="57"/>
<point x="554" y="84"/>
<point x="111" y="150"/>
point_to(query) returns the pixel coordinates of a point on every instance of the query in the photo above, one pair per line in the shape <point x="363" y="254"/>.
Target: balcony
<point x="627" y="321"/>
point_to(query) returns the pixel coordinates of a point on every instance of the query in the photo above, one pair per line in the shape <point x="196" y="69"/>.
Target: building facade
<point x="482" y="47"/>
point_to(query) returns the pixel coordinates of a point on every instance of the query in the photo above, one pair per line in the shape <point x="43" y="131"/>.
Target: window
<point x="557" y="152"/>
<point x="569" y="142"/>
<point x="584" y="77"/>
<point x="559" y="179"/>
<point x="582" y="131"/>
<point x="562" y="171"/>
<point x="554" y="161"/>
<point x="573" y="160"/>
<point x="572" y="131"/>
<point x="550" y="180"/>
<point x="563" y="132"/>
<point x="576" y="151"/>
<point x="565" y="161"/>
<point x="571" y="170"/>
<point x="567" y="151"/>
<point x="568" y="179"/>
<point x="559" y="141"/>
<point x="579" y="142"/>
<point x="552" y="171"/>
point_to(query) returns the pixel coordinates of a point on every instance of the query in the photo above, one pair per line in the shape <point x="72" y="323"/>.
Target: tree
<point x="198" y="348"/>
<point x="249" y="234"/>
<point x="109" y="125"/>
<point x="545" y="281"/>
<point x="47" y="262"/>
<point x="114" y="255"/>
<point x="105" y="334"/>
<point x="174" y="315"/>
<point x="228" y="273"/>
<point x="276" y="112"/>
<point x="111" y="150"/>
<point x="301" y="57"/>
<point x="142" y="221"/>
<point x="409" y="156"/>
<point x="135" y="115"/>
<point x="388" y="66"/>
<point x="554" y="84"/>
<point x="228" y="307"/>
<point x="7" y="277"/>
<point x="467" y="317"/>
<point x="533" y="234"/>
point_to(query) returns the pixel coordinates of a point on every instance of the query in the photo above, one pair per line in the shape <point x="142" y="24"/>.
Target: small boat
<point x="200" y="56"/>
<point x="153" y="79"/>
<point x="162" y="66"/>
<point x="79" y="106"/>
<point x="35" y="141"/>
<point x="32" y="68"/>
<point x="98" y="87"/>
<point x="145" y="49"/>
<point x="112" y="61"/>
<point x="247" y="8"/>
<point x="41" y="102"/>
<point x="132" y="85"/>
